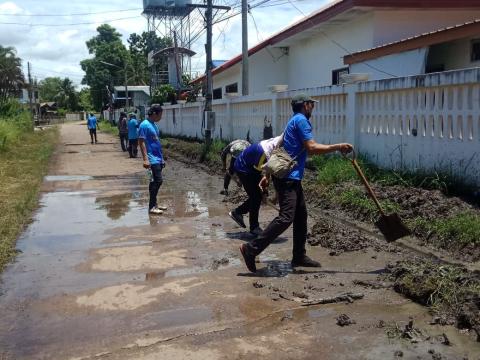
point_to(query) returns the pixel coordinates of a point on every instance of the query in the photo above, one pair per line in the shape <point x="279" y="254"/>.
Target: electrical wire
<point x="73" y="24"/>
<point x="65" y="15"/>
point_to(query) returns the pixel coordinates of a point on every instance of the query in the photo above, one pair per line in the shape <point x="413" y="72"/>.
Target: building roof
<point x="450" y="33"/>
<point x="145" y="89"/>
<point x="339" y="7"/>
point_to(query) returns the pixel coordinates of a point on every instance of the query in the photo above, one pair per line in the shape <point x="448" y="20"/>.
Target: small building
<point x="310" y="52"/>
<point x="451" y="48"/>
<point x="138" y="96"/>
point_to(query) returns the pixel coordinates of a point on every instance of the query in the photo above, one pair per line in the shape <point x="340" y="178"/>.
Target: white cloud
<point x="57" y="51"/>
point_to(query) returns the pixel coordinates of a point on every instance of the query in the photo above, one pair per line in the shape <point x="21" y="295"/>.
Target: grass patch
<point x="358" y="201"/>
<point x="23" y="163"/>
<point x="459" y="230"/>
<point x="108" y="128"/>
<point x="445" y="288"/>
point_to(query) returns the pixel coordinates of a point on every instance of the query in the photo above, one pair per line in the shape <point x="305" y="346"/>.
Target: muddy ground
<point x="97" y="278"/>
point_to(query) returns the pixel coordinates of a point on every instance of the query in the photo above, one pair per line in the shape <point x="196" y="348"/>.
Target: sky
<point x="51" y="34"/>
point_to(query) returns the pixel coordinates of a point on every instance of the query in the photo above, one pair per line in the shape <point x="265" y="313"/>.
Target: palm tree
<point x="67" y="96"/>
<point x="11" y="76"/>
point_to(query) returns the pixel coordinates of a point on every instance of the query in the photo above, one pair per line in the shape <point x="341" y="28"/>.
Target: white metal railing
<point x="427" y="122"/>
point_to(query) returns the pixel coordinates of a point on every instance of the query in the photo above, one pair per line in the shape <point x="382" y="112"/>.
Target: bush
<point x="12" y="127"/>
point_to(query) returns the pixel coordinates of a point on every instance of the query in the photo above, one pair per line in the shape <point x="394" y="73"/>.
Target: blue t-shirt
<point x="92" y="122"/>
<point x="298" y="130"/>
<point x="250" y="160"/>
<point x="133" y="129"/>
<point x="149" y="132"/>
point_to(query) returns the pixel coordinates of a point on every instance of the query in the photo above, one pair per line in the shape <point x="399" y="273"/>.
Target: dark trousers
<point x="292" y="210"/>
<point x="252" y="204"/>
<point x="133" y="147"/>
<point x="123" y="141"/>
<point x="229" y="174"/>
<point x="155" y="184"/>
<point x="93" y="133"/>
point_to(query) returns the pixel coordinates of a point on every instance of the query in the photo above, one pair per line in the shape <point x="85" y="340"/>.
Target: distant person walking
<point x="123" y="131"/>
<point x="133" y="135"/>
<point x="234" y="149"/>
<point x="92" y="126"/>
<point x="151" y="148"/>
<point x="297" y="142"/>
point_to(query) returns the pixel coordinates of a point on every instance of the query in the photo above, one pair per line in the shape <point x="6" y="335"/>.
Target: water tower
<point x="172" y="19"/>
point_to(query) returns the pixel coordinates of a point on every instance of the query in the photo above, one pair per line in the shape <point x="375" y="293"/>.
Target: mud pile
<point x="339" y="238"/>
<point x="451" y="292"/>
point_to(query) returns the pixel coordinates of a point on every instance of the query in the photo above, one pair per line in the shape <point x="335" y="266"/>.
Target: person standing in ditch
<point x="92" y="126"/>
<point x="248" y="167"/>
<point x="234" y="149"/>
<point x="123" y="131"/>
<point x="297" y="141"/>
<point x="151" y="149"/>
<point x="133" y="135"/>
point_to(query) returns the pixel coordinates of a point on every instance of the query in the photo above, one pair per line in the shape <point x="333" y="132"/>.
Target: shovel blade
<point x="392" y="227"/>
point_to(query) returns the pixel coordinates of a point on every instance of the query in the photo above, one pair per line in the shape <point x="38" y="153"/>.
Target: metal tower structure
<point x="172" y="19"/>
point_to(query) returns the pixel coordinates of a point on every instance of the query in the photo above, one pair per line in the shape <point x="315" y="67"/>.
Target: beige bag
<point x="280" y="163"/>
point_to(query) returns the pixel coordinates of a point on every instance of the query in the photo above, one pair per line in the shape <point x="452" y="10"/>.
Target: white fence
<point x="427" y="122"/>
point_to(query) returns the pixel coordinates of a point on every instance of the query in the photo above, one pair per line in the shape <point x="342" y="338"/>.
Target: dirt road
<point x="98" y="278"/>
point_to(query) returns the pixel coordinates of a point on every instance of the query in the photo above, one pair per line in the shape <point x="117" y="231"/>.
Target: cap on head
<point x="302" y="98"/>
<point x="155" y="109"/>
<point x="131" y="115"/>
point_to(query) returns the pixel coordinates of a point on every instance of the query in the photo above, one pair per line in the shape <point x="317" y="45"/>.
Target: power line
<point x="73" y="24"/>
<point x="78" y="14"/>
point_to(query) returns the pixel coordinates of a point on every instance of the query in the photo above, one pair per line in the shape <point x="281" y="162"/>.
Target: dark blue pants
<point x="155" y="184"/>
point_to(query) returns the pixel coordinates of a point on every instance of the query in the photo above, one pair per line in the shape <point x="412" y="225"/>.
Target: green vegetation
<point x="12" y="79"/>
<point x="24" y="156"/>
<point x="357" y="200"/>
<point x="443" y="287"/>
<point x="108" y="128"/>
<point x="61" y="91"/>
<point x="457" y="231"/>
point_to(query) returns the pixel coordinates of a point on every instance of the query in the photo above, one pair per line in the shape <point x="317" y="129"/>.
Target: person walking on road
<point x="151" y="149"/>
<point x="234" y="149"/>
<point x="133" y="135"/>
<point x="92" y="126"/>
<point x="123" y="131"/>
<point x="248" y="167"/>
<point x="297" y="142"/>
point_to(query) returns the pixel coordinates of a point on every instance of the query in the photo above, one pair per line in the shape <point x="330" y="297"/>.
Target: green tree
<point x="85" y="100"/>
<point x="11" y="76"/>
<point x="106" y="47"/>
<point x="62" y="91"/>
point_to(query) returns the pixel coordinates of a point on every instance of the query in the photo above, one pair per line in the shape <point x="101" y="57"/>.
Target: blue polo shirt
<point x="149" y="132"/>
<point x="92" y="122"/>
<point x="250" y="160"/>
<point x="298" y="130"/>
<point x="132" y="129"/>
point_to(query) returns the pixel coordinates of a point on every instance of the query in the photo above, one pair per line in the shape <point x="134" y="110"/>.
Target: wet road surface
<point x="98" y="278"/>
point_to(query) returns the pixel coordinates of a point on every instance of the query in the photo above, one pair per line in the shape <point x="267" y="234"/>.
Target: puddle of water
<point x="67" y="178"/>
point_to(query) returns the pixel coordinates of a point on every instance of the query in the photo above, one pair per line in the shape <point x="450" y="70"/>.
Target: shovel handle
<point x="353" y="160"/>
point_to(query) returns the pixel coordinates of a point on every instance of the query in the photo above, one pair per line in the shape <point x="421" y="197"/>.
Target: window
<point x="217" y="93"/>
<point x="232" y="88"/>
<point x="475" y="50"/>
<point x="434" y="68"/>
<point x="336" y="74"/>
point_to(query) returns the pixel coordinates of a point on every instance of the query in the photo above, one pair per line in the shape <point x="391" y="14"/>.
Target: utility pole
<point x="244" y="48"/>
<point x="30" y="89"/>
<point x="126" y="86"/>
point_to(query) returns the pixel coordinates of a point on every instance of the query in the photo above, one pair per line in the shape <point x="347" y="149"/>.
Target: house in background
<point x="138" y="96"/>
<point x="452" y="48"/>
<point x="310" y="52"/>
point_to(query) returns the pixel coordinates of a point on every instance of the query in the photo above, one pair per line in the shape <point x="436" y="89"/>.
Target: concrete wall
<point x="408" y="63"/>
<point x="426" y="122"/>
<point x="393" y="25"/>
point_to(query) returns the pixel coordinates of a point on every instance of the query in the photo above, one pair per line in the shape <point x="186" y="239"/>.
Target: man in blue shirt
<point x="248" y="167"/>
<point x="151" y="148"/>
<point x="133" y="135"/>
<point x="92" y="127"/>
<point x="297" y="141"/>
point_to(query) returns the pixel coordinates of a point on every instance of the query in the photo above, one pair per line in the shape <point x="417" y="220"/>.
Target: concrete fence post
<point x="275" y="114"/>
<point x="351" y="109"/>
